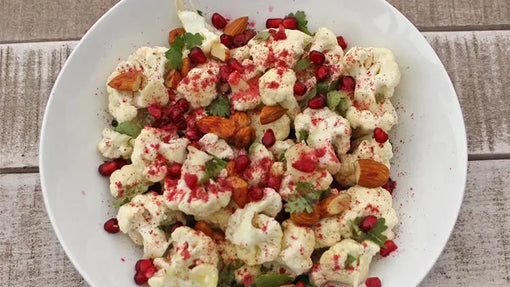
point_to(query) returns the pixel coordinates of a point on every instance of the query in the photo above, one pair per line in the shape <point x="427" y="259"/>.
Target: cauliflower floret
<point x="245" y="274"/>
<point x="151" y="61"/>
<point x="277" y="88"/>
<point x="297" y="246"/>
<point x="255" y="233"/>
<point x="191" y="197"/>
<point x="199" y="86"/>
<point x="327" y="231"/>
<point x="192" y="262"/>
<point x="280" y="127"/>
<point x="325" y="129"/>
<point x="261" y="162"/>
<point x="367" y="148"/>
<point x="218" y="219"/>
<point x="325" y="41"/>
<point x="281" y="53"/>
<point x="192" y="22"/>
<point x="242" y="53"/>
<point x="114" y="144"/>
<point x="280" y="147"/>
<point x="212" y="144"/>
<point x="128" y="180"/>
<point x="141" y="219"/>
<point x="154" y="149"/>
<point x="245" y="87"/>
<point x="332" y="265"/>
<point x="365" y="121"/>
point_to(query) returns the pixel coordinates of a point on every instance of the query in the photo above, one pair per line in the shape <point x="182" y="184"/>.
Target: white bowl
<point x="429" y="142"/>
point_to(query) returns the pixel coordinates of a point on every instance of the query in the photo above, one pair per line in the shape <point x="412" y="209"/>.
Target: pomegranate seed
<point x="318" y="102"/>
<point x="348" y="84"/>
<point x="322" y="73"/>
<point x="299" y="89"/>
<point x="225" y="72"/>
<point x="111" y="225"/>
<point x="191" y="180"/>
<point x="307" y="162"/>
<point x="390" y="185"/>
<point x="140" y="278"/>
<point x="341" y="42"/>
<point x="268" y="139"/>
<point x="242" y="162"/>
<point x="143" y="264"/>
<point x="181" y="125"/>
<point x="299" y="284"/>
<point x="273" y="23"/>
<point x="150" y="272"/>
<point x="235" y="65"/>
<point x="218" y="21"/>
<point x="390" y="246"/>
<point x="317" y="57"/>
<point x="373" y="282"/>
<point x="197" y="56"/>
<point x="368" y="223"/>
<point x="290" y="23"/>
<point x="274" y="182"/>
<point x="106" y="169"/>
<point x="155" y="111"/>
<point x="175" y="226"/>
<point x="175" y="114"/>
<point x="193" y="134"/>
<point x="249" y="34"/>
<point x="227" y="40"/>
<point x="175" y="170"/>
<point x="380" y="135"/>
<point x="239" y="40"/>
<point x="255" y="194"/>
<point x="280" y="35"/>
<point x="182" y="105"/>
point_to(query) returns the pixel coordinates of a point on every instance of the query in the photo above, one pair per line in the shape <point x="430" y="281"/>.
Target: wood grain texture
<point x="32" y="20"/>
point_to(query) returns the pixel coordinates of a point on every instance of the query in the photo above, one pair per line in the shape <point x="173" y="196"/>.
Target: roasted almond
<point x="370" y="173"/>
<point x="173" y="34"/>
<point x="304" y="218"/>
<point x="127" y="81"/>
<point x="239" y="190"/>
<point x="222" y="127"/>
<point x="231" y="170"/>
<point x="204" y="227"/>
<point x="269" y="114"/>
<point x="172" y="79"/>
<point x="241" y="120"/>
<point x="220" y="52"/>
<point x="334" y="204"/>
<point x="237" y="26"/>
<point x="186" y="66"/>
<point x="244" y="137"/>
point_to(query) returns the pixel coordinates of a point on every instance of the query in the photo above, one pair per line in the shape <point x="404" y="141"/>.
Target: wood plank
<point x="477" y="254"/>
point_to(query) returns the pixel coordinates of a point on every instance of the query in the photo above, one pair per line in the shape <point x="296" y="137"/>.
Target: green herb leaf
<point x="226" y="277"/>
<point x="174" y="54"/>
<point x="302" y="64"/>
<point x="129" y="194"/>
<point x="326" y="87"/>
<point x="339" y="102"/>
<point x="252" y="147"/>
<point x="309" y="95"/>
<point x="174" y="57"/>
<point x="128" y="128"/>
<point x="273" y="279"/>
<point x="219" y="107"/>
<point x="305" y="279"/>
<point x="304" y="198"/>
<point x="167" y="227"/>
<point x="192" y="40"/>
<point x="213" y="168"/>
<point x="263" y="36"/>
<point x="350" y="259"/>
<point x="167" y="250"/>
<point x="282" y="157"/>
<point x="302" y="22"/>
<point x="200" y="13"/>
<point x="375" y="234"/>
<point x="303" y="136"/>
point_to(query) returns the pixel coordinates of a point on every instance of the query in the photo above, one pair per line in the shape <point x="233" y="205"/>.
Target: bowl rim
<point x="463" y="155"/>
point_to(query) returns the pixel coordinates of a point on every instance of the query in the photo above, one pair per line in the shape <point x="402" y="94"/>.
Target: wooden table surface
<point x="472" y="38"/>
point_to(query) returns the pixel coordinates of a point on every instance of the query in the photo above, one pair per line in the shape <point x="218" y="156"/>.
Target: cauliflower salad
<point x="238" y="157"/>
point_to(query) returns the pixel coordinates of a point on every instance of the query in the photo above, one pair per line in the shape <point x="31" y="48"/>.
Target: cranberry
<point x="274" y="182"/>
<point x="241" y="163"/>
<point x="307" y="162"/>
<point x="191" y="180"/>
<point x="106" y="169"/>
<point x="368" y="223"/>
<point x="322" y="73"/>
<point x="227" y="40"/>
<point x="255" y="194"/>
<point x="197" y="56"/>
<point x="193" y="134"/>
<point x="143" y="264"/>
<point x="380" y="135"/>
<point x="175" y="170"/>
<point x="317" y="57"/>
<point x="290" y="23"/>
<point x="111" y="226"/>
<point x="341" y="42"/>
<point x="268" y="139"/>
<point x="390" y="246"/>
<point x="225" y="72"/>
<point x="273" y="22"/>
<point x="390" y="185"/>
<point x="299" y="89"/>
<point x="318" y="102"/>
<point x="140" y="278"/>
<point x="155" y="111"/>
<point x="175" y="226"/>
<point x="235" y="65"/>
<point x="239" y="40"/>
<point x="182" y="105"/>
<point x="373" y="282"/>
<point x="348" y="84"/>
<point x="218" y="21"/>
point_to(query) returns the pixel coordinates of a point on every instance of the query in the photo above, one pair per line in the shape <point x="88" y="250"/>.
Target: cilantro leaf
<point x="128" y="128"/>
<point x="350" y="259"/>
<point x="339" y="102"/>
<point x="273" y="279"/>
<point x="309" y="95"/>
<point x="199" y="12"/>
<point x="219" y="107"/>
<point x="326" y="87"/>
<point x="174" y="54"/>
<point x="192" y="40"/>
<point x="303" y="199"/>
<point x="302" y="64"/>
<point x="263" y="36"/>
<point x="129" y="194"/>
<point x="303" y="136"/>
<point x="302" y="22"/>
<point x="213" y="168"/>
<point x="226" y="277"/>
<point x="174" y="57"/>
<point x="375" y="234"/>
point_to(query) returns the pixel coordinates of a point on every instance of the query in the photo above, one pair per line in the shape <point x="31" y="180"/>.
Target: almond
<point x="304" y="218"/>
<point x="173" y="34"/>
<point x="240" y="119"/>
<point x="220" y="52"/>
<point x="186" y="66"/>
<point x="370" y="173"/>
<point x="231" y="170"/>
<point x="244" y="137"/>
<point x="204" y="227"/>
<point x="269" y="114"/>
<point x="222" y="127"/>
<point x="172" y="79"/>
<point x="127" y="81"/>
<point x="237" y="26"/>
<point x="334" y="204"/>
<point x="239" y="190"/>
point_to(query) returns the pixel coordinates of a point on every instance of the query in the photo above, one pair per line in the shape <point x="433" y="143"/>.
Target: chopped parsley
<point x="188" y="41"/>
<point x="309" y="95"/>
<point x="339" y="102"/>
<point x="213" y="168"/>
<point x="302" y="22"/>
<point x="219" y="107"/>
<point x="304" y="198"/>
